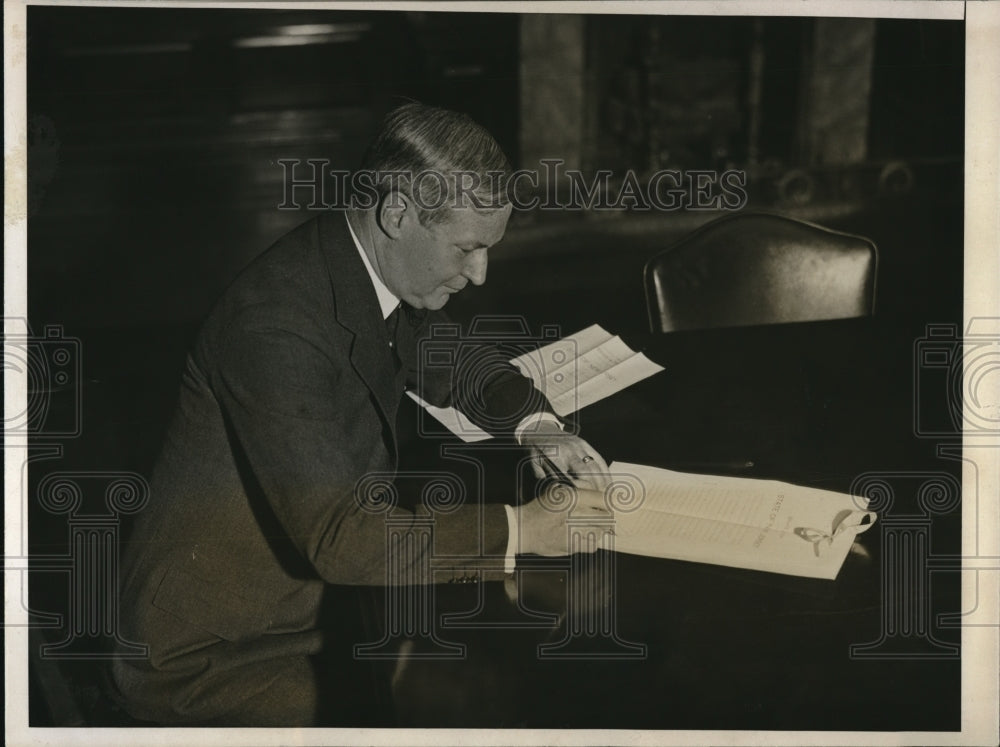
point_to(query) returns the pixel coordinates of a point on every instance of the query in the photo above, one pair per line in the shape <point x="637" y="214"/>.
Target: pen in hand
<point x="582" y="481"/>
<point x="558" y="476"/>
<point x="554" y="472"/>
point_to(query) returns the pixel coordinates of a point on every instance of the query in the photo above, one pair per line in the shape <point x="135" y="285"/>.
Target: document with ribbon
<point x="763" y="525"/>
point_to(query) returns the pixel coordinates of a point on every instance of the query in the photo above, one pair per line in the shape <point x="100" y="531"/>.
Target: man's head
<point x="440" y="159"/>
<point x="441" y="182"/>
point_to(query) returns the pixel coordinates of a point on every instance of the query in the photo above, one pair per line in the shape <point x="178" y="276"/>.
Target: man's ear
<point x="395" y="211"/>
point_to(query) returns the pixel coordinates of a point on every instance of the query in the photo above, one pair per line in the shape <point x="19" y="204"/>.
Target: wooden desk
<point x="690" y="646"/>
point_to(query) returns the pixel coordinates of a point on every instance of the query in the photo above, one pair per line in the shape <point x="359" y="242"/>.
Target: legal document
<point x="763" y="525"/>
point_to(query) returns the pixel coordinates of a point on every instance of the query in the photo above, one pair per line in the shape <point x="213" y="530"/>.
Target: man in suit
<point x="289" y="399"/>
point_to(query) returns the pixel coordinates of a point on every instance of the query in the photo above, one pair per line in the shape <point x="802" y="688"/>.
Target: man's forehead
<point x="472" y="225"/>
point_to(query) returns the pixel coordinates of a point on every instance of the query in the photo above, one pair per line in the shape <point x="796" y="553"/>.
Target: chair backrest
<point x="759" y="268"/>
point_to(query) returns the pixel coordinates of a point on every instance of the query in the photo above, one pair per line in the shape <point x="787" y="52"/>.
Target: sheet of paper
<point x="584" y="368"/>
<point x="603" y="383"/>
<point x="573" y="372"/>
<point x="745" y="523"/>
<point x="550" y="357"/>
<point x="453" y="420"/>
<point x="558" y="381"/>
<point x="739" y="500"/>
<point x="732" y="545"/>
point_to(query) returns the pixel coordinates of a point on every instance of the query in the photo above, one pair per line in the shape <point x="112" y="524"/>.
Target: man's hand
<point x="557" y="453"/>
<point x="541" y="524"/>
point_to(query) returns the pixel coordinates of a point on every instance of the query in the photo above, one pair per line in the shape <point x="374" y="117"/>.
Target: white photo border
<point x="980" y="650"/>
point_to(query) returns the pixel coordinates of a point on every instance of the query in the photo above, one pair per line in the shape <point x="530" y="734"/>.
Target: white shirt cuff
<point x="508" y="564"/>
<point x="532" y="421"/>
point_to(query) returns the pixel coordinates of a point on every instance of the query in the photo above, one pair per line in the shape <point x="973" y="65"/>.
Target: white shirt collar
<point x="386" y="300"/>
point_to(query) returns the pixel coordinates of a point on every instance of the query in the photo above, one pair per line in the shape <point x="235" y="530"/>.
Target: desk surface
<point x="691" y="646"/>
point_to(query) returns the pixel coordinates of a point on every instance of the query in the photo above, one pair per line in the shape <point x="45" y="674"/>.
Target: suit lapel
<point x="357" y="310"/>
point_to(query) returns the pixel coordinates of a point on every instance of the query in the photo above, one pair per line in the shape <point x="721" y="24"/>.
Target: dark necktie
<point x="392" y="327"/>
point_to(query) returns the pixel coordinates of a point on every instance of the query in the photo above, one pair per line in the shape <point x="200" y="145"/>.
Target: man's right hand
<point x="542" y="522"/>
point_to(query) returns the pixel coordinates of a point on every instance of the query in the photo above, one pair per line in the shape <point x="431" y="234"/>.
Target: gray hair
<point x="440" y="159"/>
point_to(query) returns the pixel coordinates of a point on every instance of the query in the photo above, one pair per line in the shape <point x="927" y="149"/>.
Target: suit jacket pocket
<point x="209" y="606"/>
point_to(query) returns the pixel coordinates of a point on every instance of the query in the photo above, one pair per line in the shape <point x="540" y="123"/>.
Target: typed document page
<point x="762" y="525"/>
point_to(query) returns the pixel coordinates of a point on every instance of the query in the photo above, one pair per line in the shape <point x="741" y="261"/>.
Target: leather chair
<point x="759" y="268"/>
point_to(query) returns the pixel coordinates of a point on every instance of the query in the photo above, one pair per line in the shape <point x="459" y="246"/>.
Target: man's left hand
<point x="557" y="453"/>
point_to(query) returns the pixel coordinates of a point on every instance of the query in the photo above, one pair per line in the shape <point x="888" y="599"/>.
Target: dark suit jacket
<point x="289" y="398"/>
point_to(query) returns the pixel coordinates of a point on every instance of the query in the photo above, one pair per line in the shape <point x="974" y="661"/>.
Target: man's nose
<point x="475" y="266"/>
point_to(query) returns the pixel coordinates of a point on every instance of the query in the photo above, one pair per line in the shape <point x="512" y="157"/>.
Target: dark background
<point x="155" y="134"/>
